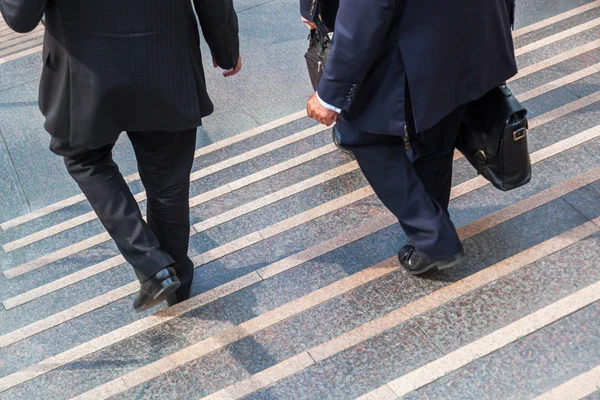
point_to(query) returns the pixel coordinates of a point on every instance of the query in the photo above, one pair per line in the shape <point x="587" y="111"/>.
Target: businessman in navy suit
<point x="413" y="65"/>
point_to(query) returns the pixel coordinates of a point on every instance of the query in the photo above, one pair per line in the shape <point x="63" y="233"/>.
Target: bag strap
<point x="323" y="31"/>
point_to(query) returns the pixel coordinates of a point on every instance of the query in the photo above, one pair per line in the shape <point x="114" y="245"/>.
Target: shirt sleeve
<point x="329" y="106"/>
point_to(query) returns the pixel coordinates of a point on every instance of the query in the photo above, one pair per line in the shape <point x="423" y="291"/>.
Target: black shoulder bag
<point x="319" y="48"/>
<point x="493" y="138"/>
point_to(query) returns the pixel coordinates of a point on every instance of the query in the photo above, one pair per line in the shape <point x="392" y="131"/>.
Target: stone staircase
<point x="298" y="293"/>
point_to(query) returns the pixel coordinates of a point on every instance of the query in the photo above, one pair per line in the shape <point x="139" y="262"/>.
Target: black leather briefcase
<point x="493" y="138"/>
<point x="319" y="48"/>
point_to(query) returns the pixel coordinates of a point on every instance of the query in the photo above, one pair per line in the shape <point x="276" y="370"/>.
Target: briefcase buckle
<point x="519" y="134"/>
<point x="482" y="154"/>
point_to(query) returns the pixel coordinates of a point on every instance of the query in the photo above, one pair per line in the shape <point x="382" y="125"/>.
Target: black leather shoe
<point x="415" y="264"/>
<point x="156" y="289"/>
<point x="335" y="136"/>
<point x="180" y="295"/>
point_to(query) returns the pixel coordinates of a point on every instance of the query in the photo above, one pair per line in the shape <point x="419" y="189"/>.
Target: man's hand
<point x="315" y="110"/>
<point x="232" y="71"/>
<point x="311" y="25"/>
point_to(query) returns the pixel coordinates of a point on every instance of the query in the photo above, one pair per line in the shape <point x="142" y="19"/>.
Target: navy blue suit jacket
<point x="327" y="9"/>
<point x="449" y="53"/>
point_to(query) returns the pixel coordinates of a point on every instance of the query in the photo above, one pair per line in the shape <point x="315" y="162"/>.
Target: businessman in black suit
<point x="413" y="65"/>
<point x="108" y="69"/>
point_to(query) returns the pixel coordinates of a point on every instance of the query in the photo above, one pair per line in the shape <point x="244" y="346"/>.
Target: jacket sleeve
<point x="219" y="24"/>
<point x="308" y="9"/>
<point x="22" y="16"/>
<point x="360" y="29"/>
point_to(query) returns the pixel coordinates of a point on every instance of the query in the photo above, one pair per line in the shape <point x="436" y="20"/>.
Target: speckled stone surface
<point x="516" y="235"/>
<point x="586" y="86"/>
<point x="18" y="72"/>
<point x="593" y="396"/>
<point x="259" y="87"/>
<point x="586" y="200"/>
<point x="343" y="376"/>
<point x="273" y="44"/>
<point x="326" y="321"/>
<point x="549" y="101"/>
<point x="68" y="335"/>
<point x="529" y="367"/>
<point x="193" y="326"/>
<point x="65" y="298"/>
<point x="62" y="267"/>
<point x="55" y="242"/>
<point x="293" y="150"/>
<point x="530" y="12"/>
<point x="553" y="29"/>
<point x="267" y="186"/>
<point x="357" y="370"/>
<point x="13" y="201"/>
<point x="554" y="72"/>
<point x="545" y="174"/>
<point x="559" y="47"/>
<point x="564" y="128"/>
<point x="54" y="218"/>
<point x="494" y="306"/>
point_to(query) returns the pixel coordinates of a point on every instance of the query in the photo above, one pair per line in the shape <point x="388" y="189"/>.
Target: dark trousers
<point x="418" y="193"/>
<point x="164" y="162"/>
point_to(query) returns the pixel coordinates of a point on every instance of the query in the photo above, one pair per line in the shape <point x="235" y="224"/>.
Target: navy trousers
<point x="417" y="193"/>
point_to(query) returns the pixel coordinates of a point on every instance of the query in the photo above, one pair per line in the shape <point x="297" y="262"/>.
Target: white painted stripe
<point x="275" y="197"/>
<point x="556" y="18"/>
<point x="285" y="120"/>
<point x="241" y="331"/>
<point x="91" y="216"/>
<point x="202" y="151"/>
<point x="472" y="352"/>
<point x="557" y="37"/>
<point x="195" y="201"/>
<point x="264" y="378"/>
<point x="173" y="312"/>
<point x="433" y="300"/>
<point x="21" y="54"/>
<point x="536" y="157"/>
<point x="223" y="339"/>
<point x="577" y="388"/>
<point x="101" y="238"/>
<point x="550" y="86"/>
<point x="537" y="67"/>
<point x="535" y="122"/>
<point x="254" y="238"/>
<point x="249" y="155"/>
<point x="293" y="261"/>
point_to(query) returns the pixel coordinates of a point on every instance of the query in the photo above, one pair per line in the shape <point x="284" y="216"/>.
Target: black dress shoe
<point x="335" y="136"/>
<point x="156" y="289"/>
<point x="180" y="295"/>
<point x="415" y="264"/>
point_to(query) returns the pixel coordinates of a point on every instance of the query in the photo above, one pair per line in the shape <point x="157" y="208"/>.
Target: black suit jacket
<point x="449" y="52"/>
<point x="125" y="65"/>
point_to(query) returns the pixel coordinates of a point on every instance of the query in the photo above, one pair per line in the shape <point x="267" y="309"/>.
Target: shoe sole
<point x="441" y="265"/>
<point x="167" y="287"/>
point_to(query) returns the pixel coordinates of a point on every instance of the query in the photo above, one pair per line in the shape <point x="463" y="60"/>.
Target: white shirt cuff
<point x="329" y="106"/>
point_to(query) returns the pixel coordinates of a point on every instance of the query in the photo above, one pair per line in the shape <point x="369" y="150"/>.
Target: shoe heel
<point x="167" y="287"/>
<point x="458" y="260"/>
